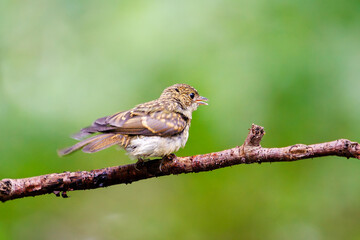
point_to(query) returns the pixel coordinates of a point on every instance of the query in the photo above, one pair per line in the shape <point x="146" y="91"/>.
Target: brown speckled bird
<point x="154" y="129"/>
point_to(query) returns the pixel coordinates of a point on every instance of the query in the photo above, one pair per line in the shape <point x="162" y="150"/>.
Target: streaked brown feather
<point x="117" y="119"/>
<point x="107" y="141"/>
<point x="79" y="145"/>
<point x="97" y="143"/>
<point x="154" y="124"/>
<point x="92" y="129"/>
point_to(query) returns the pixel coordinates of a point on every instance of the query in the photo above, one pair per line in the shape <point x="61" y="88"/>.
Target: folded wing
<point x="152" y="124"/>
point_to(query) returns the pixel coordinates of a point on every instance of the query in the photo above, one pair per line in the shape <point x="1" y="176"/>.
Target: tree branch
<point x="250" y="152"/>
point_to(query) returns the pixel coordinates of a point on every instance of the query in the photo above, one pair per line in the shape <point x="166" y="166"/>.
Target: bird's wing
<point x="149" y="124"/>
<point x="115" y="120"/>
<point x="103" y="125"/>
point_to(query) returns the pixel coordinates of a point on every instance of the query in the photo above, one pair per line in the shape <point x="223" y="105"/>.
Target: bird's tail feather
<point x="108" y="141"/>
<point x="97" y="143"/>
<point x="90" y="130"/>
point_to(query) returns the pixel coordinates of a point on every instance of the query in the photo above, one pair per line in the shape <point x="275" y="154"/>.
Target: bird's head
<point x="187" y="96"/>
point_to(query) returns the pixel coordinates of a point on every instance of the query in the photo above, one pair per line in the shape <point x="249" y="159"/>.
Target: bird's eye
<point x="192" y="95"/>
<point x="177" y="90"/>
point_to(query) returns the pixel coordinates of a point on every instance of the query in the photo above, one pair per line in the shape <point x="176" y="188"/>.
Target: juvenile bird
<point x="154" y="129"/>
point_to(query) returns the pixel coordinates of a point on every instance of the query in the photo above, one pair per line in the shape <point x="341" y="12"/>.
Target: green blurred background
<point x="290" y="66"/>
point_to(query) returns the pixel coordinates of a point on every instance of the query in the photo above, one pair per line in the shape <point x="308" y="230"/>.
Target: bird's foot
<point x="169" y="157"/>
<point x="139" y="164"/>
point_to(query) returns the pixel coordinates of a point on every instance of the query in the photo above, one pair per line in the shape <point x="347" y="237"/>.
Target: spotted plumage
<point x="153" y="129"/>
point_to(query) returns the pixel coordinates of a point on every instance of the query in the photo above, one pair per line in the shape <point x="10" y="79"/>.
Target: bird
<point x="158" y="128"/>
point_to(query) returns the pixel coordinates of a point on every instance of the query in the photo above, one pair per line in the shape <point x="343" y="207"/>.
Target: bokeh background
<point x="290" y="66"/>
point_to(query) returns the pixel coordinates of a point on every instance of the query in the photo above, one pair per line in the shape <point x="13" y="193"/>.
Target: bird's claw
<point x="139" y="164"/>
<point x="169" y="157"/>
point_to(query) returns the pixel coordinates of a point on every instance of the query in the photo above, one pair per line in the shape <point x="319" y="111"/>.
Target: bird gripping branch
<point x="153" y="129"/>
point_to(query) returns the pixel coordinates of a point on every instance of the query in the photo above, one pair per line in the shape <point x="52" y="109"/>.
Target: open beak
<point x="200" y="100"/>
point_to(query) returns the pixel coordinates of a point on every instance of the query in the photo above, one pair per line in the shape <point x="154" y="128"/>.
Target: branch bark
<point x="250" y="152"/>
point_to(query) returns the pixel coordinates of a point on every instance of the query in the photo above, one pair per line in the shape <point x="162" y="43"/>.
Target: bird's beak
<point x="200" y="100"/>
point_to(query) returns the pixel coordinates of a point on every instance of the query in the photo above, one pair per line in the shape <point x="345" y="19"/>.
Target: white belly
<point x="155" y="146"/>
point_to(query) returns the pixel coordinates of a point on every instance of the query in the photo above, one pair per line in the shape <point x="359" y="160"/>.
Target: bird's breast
<point x="156" y="146"/>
